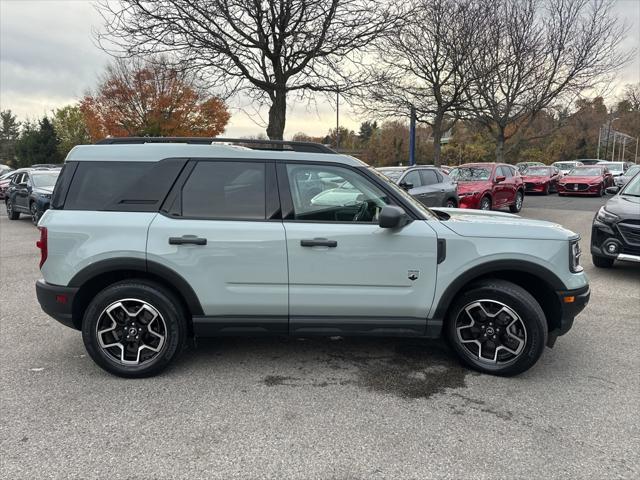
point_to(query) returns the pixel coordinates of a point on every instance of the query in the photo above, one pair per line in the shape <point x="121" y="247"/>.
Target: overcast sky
<point x="48" y="59"/>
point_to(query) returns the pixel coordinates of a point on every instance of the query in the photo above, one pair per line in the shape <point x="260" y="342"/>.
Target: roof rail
<point x="255" y="144"/>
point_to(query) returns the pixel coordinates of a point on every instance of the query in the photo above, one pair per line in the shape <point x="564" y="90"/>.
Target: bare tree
<point x="536" y="53"/>
<point x="267" y="49"/>
<point x="424" y="64"/>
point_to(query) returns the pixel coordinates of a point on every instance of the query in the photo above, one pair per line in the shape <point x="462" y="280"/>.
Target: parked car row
<point x="28" y="191"/>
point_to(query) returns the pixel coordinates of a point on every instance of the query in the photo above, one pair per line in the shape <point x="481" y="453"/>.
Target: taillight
<point x="42" y="244"/>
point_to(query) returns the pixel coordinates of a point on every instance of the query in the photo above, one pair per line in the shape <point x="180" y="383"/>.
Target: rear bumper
<point x="572" y="302"/>
<point x="57" y="302"/>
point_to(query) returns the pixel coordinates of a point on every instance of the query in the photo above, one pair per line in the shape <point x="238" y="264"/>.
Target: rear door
<point x="346" y="274"/>
<point x="220" y="229"/>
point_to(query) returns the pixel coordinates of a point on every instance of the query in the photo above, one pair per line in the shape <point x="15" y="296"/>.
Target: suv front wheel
<point x="497" y="327"/>
<point x="134" y="328"/>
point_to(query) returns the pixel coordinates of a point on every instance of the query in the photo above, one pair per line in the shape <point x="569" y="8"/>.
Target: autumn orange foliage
<point x="138" y="98"/>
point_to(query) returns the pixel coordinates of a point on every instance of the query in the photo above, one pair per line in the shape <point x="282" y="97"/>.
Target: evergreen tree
<point x="9" y="131"/>
<point x="38" y="143"/>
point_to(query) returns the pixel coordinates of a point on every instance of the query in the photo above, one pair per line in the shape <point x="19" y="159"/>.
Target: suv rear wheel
<point x="497" y="327"/>
<point x="134" y="328"/>
<point x="11" y="213"/>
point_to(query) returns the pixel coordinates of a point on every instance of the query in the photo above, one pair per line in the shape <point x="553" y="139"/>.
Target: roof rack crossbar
<point x="255" y="144"/>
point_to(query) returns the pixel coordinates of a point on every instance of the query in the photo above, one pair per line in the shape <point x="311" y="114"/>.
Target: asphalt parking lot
<point x="322" y="408"/>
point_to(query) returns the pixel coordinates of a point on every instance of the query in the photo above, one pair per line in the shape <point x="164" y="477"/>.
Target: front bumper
<point x="57" y="302"/>
<point x="603" y="234"/>
<point x="572" y="302"/>
<point x="531" y="187"/>
<point x="583" y="189"/>
<point x="471" y="201"/>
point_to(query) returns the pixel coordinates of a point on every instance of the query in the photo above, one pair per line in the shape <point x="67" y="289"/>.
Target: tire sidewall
<point x="531" y="315"/>
<point x="161" y="300"/>
<point x="486" y="198"/>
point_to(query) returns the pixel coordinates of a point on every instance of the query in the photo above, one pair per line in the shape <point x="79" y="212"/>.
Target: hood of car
<point x="624" y="206"/>
<point x="478" y="223"/>
<point x="533" y="178"/>
<point x="581" y="180"/>
<point x="473" y="186"/>
<point x="43" y="190"/>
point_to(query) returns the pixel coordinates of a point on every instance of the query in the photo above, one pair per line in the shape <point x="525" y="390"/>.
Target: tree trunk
<point x="436" y="131"/>
<point x="277" y="115"/>
<point x="500" y="146"/>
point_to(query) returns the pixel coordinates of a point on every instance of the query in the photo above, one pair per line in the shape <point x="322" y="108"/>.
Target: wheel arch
<point x="99" y="275"/>
<point x="539" y="281"/>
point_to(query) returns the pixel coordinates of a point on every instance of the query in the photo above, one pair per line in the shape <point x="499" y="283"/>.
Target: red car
<point x="541" y="179"/>
<point x="586" y="180"/>
<point x="489" y="186"/>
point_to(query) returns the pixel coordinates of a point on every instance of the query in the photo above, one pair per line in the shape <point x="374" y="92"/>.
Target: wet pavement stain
<point x="414" y="371"/>
<point x="276" y="380"/>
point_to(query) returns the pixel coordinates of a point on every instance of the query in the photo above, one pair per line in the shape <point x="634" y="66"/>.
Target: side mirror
<point x="612" y="190"/>
<point x="406" y="186"/>
<point x="392" y="217"/>
<point x="500" y="178"/>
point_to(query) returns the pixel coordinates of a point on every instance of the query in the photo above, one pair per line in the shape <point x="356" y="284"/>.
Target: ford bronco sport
<point x="151" y="241"/>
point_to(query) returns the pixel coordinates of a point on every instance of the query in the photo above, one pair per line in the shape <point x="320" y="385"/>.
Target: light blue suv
<point x="151" y="241"/>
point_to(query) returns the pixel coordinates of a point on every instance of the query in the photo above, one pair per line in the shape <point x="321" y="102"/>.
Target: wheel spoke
<point x="491" y="331"/>
<point x="132" y="319"/>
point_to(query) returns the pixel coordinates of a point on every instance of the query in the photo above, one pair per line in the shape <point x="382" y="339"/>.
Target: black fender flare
<point x="113" y="265"/>
<point x="495" y="266"/>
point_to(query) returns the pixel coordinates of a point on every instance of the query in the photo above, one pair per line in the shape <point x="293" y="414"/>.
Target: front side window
<point x="225" y="190"/>
<point x="413" y="178"/>
<point x="333" y="194"/>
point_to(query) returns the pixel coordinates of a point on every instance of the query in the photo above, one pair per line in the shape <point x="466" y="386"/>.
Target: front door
<point x="218" y="236"/>
<point x="346" y="274"/>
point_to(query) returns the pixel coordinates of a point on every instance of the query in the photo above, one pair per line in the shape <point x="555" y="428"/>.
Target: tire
<point x="154" y="314"/>
<point x="517" y="203"/>
<point x="35" y="213"/>
<point x="600" y="191"/>
<point x="13" y="215"/>
<point x="451" y="203"/>
<point x="515" y="309"/>
<point x="602" y="262"/>
<point x="485" y="203"/>
<point x="547" y="190"/>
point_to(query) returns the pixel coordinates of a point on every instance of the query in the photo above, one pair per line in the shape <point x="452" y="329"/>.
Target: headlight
<point x="606" y="217"/>
<point x="468" y="194"/>
<point x="574" y="256"/>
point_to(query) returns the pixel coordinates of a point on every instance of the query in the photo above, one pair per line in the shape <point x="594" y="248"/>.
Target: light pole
<point x="337" y="118"/>
<point x="412" y="137"/>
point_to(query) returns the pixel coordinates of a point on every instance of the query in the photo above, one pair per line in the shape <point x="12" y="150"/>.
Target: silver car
<point x="429" y="185"/>
<point x="622" y="180"/>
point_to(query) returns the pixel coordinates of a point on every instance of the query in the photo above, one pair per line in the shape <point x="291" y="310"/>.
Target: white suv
<point x="150" y="241"/>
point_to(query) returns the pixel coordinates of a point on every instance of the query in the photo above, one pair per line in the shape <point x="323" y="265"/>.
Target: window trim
<point x="287" y="199"/>
<point x="172" y="206"/>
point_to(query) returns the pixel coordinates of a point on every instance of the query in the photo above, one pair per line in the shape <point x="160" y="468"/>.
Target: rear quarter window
<point x="118" y="186"/>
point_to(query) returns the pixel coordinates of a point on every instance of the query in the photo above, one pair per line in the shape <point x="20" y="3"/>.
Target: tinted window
<point x="347" y="197"/>
<point x="225" y="190"/>
<point x="413" y="177"/>
<point x="126" y="186"/>
<point x="429" y="177"/>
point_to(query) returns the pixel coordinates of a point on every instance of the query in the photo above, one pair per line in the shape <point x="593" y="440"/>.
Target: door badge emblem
<point x="413" y="275"/>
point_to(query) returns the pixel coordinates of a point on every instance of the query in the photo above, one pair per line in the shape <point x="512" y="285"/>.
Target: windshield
<point x="538" y="171"/>
<point x="632" y="188"/>
<point x="614" y="167"/>
<point x="632" y="171"/>
<point x="564" y="165"/>
<point x="585" y="172"/>
<point x="43" y="180"/>
<point x="393" y="173"/>
<point x="470" y="174"/>
<point x="416" y="204"/>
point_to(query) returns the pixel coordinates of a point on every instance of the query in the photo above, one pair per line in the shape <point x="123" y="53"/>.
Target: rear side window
<point x="120" y="186"/>
<point x="226" y="191"/>
<point x="429" y="177"/>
